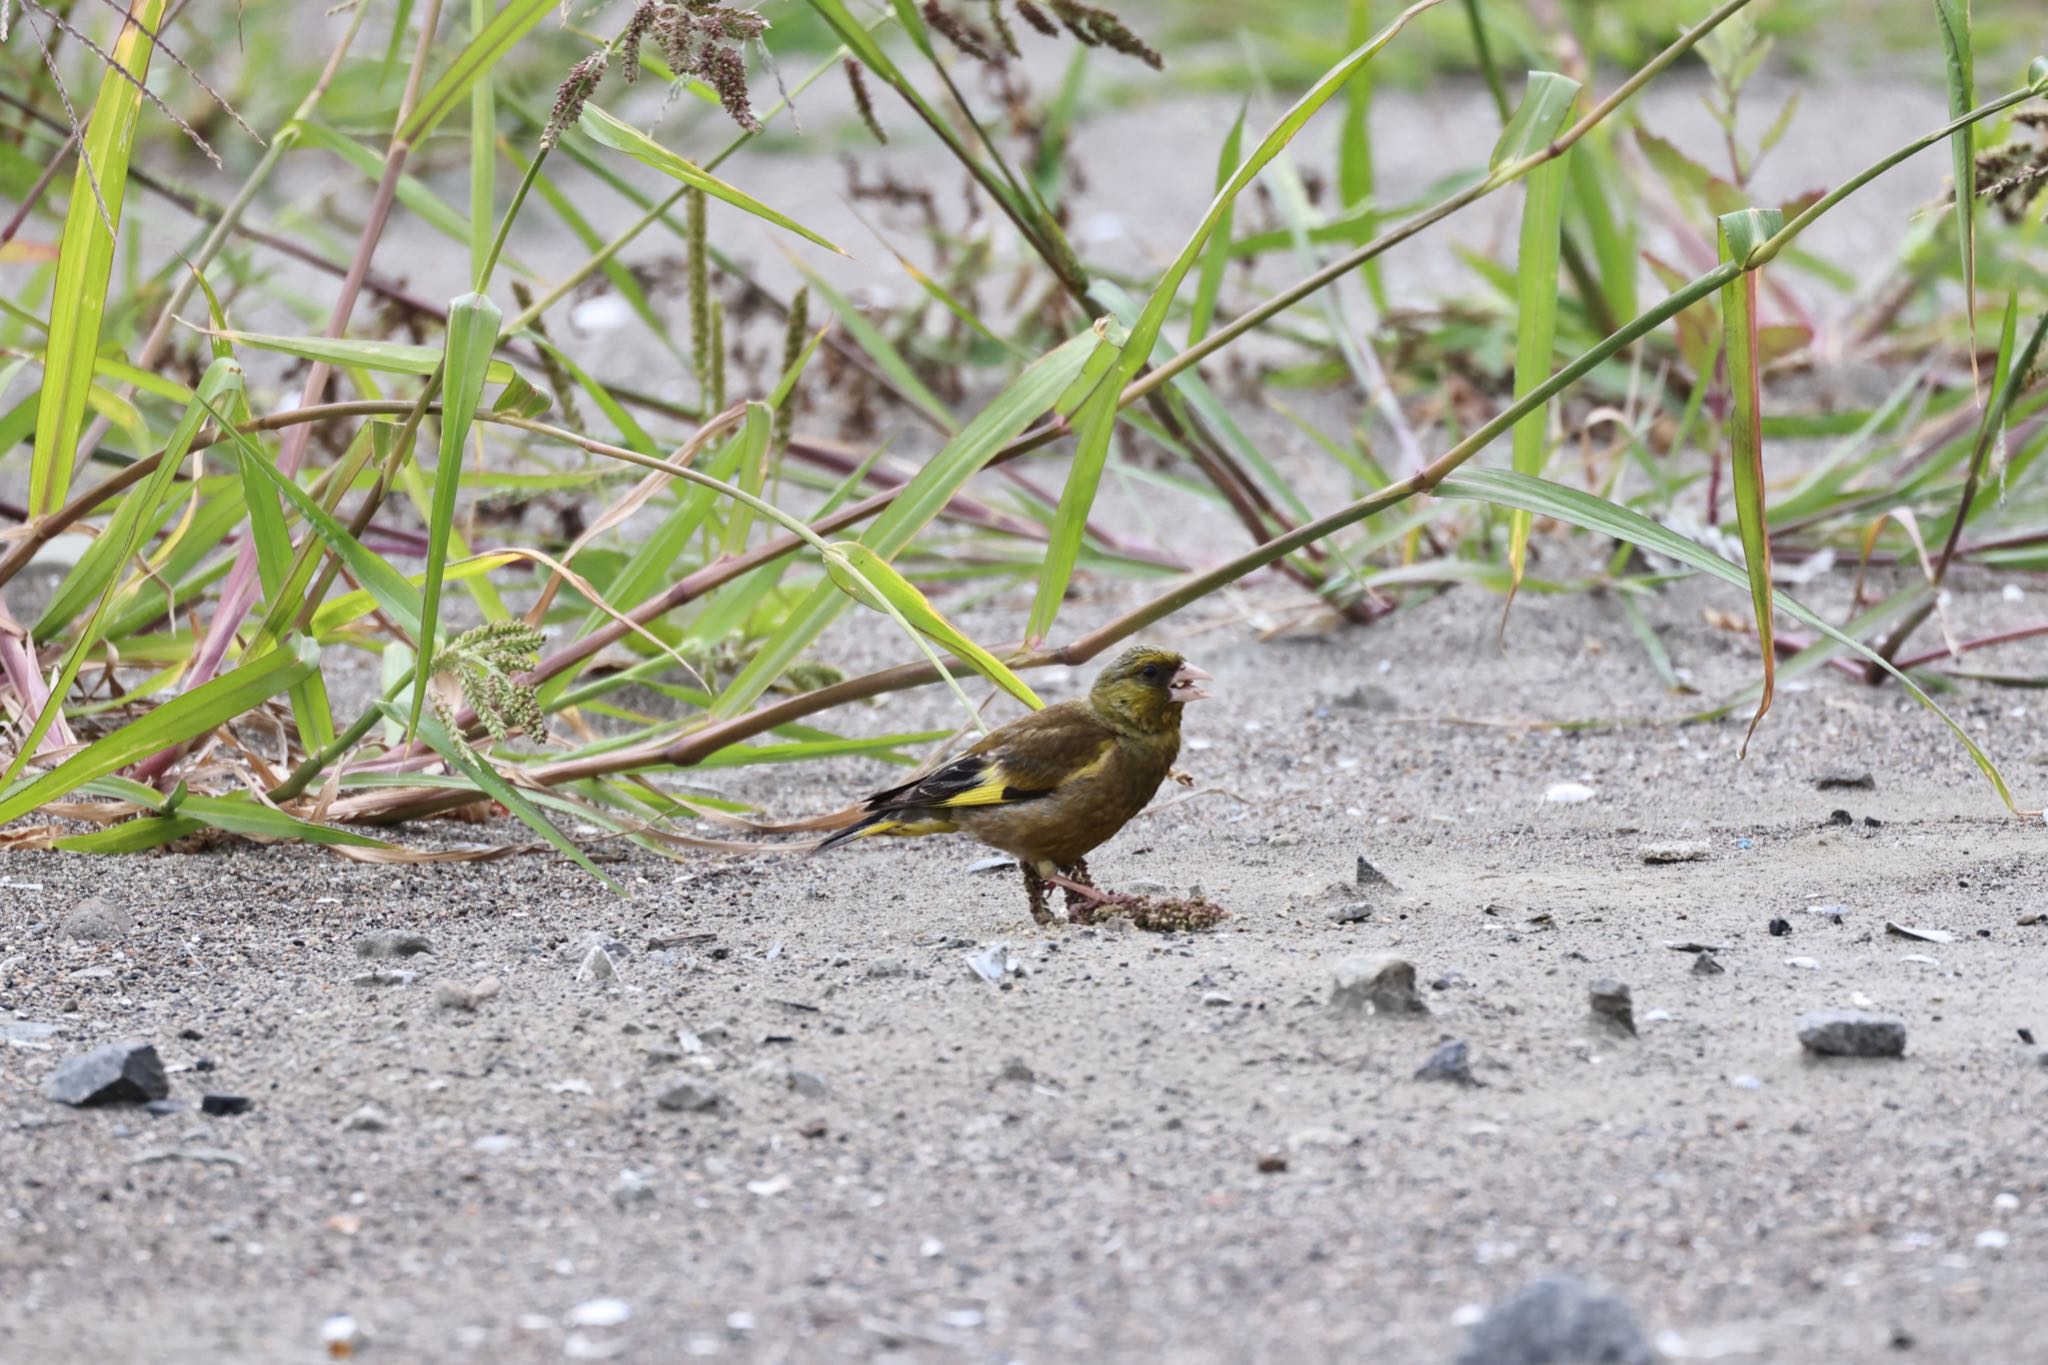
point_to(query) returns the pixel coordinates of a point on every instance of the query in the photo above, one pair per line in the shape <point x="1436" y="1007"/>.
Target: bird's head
<point x="1145" y="687"/>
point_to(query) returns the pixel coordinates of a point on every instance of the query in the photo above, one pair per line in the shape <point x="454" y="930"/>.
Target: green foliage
<point x="644" y="574"/>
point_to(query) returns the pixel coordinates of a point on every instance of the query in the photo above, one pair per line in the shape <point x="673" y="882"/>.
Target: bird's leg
<point x="1080" y="905"/>
<point x="1034" y="887"/>
<point x="1084" y="898"/>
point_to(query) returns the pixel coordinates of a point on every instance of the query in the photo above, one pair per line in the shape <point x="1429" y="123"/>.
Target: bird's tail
<point x="883" y="822"/>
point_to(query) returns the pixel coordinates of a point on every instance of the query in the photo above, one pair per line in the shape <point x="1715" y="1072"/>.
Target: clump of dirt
<point x="1169" y="914"/>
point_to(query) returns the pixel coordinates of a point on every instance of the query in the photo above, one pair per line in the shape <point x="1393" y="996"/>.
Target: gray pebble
<point x="886" y="967"/>
<point x="388" y="976"/>
<point x="1352" y="912"/>
<point x="1559" y="1320"/>
<point x="809" y="1084"/>
<point x="451" y="996"/>
<point x="392" y="943"/>
<point x="1675" y="851"/>
<point x="1450" y="1062"/>
<point x="1706" y="964"/>
<point x="1613" y="1005"/>
<point x="598" y="965"/>
<point x="368" y="1119"/>
<point x="689" y="1097"/>
<point x="1368" y="875"/>
<point x="95" y="918"/>
<point x="1852" y="1033"/>
<point x="115" y="1074"/>
<point x="632" y="1188"/>
<point x="1379" y="982"/>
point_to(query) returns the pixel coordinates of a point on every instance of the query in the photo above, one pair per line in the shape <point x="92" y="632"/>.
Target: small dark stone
<point x="221" y="1106"/>
<point x="1834" y="782"/>
<point x="1852" y="1033"/>
<point x="1706" y="964"/>
<point x="1368" y="875"/>
<point x="1560" y="1320"/>
<point x="1448" y="1063"/>
<point x="1780" y="928"/>
<point x="190" y="1035"/>
<point x="1841" y="817"/>
<point x="1613" y="1005"/>
<point x="2027" y="1036"/>
<point x="1872" y="822"/>
<point x="689" y="1097"/>
<point x="1272" y="1163"/>
<point x="118" y="1073"/>
<point x="204" y="1064"/>
<point x="95" y="918"/>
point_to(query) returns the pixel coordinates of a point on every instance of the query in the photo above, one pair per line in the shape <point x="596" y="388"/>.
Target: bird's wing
<point x="1029" y="758"/>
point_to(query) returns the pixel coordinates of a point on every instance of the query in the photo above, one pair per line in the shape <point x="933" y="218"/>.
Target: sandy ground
<point x="1138" y="1146"/>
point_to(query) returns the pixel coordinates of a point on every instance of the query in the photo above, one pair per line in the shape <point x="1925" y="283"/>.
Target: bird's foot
<point x="1085" y="900"/>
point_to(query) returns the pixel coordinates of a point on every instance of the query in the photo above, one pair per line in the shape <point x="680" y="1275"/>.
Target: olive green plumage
<point x="1049" y="787"/>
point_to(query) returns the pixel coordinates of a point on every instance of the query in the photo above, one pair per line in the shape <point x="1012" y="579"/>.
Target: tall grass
<point x="245" y="550"/>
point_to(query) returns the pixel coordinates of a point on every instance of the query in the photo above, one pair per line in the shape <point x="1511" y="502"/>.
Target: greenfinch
<point x="1048" y="788"/>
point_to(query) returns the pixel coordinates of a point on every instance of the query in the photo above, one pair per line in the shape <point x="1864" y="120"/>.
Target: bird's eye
<point x="1150" y="672"/>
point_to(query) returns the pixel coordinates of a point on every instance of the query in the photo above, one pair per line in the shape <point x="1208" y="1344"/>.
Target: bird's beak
<point x="1187" y="683"/>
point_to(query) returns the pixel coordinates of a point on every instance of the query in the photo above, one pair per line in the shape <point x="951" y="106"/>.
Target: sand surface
<point x="1137" y="1146"/>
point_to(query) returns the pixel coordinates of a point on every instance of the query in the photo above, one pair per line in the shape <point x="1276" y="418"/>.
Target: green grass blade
<point x="99" y="570"/>
<point x="487" y="779"/>
<point x="383" y="357"/>
<point x="1545" y="109"/>
<point x="182" y="718"/>
<point x="1507" y="489"/>
<point x="1959" y="69"/>
<point x="85" y="260"/>
<point x="385" y="583"/>
<point x="478" y="56"/>
<point x="1740" y="234"/>
<point x="882" y="351"/>
<point x="472" y="334"/>
<point x="1216" y="255"/>
<point x="859" y="569"/>
<point x="483" y="160"/>
<point x="623" y="137"/>
<point x="1096" y="425"/>
<point x="1005" y="417"/>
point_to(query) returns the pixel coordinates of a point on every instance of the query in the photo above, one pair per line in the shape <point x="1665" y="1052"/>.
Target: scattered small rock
<point x="1834" y="914"/>
<point x="342" y="1336"/>
<point x="368" y="1119"/>
<point x="205" y="1156"/>
<point x="163" y="1109"/>
<point x="384" y="976"/>
<point x="225" y="1106"/>
<point x="26" y="1033"/>
<point x="1706" y="964"/>
<point x="1803" y="964"/>
<point x="1558" y="1320"/>
<point x="2032" y="918"/>
<point x="887" y="967"/>
<point x="392" y="943"/>
<point x="689" y="1097"/>
<point x="1568" y="793"/>
<point x="1450" y="1062"/>
<point x="1381" y="983"/>
<point x="1272" y="1163"/>
<point x="1852" y="1033"/>
<point x="1675" y="851"/>
<point x="809" y="1084"/>
<point x="1780" y="927"/>
<point x="598" y="965"/>
<point x="1352" y="912"/>
<point x="1368" y="875"/>
<point x="95" y="918"/>
<point x="1844" y="782"/>
<point x="1919" y="935"/>
<point x="1840" y="817"/>
<point x="1017" y="1069"/>
<point x="598" y="1313"/>
<point x="1687" y="945"/>
<point x="451" y="996"/>
<point x="995" y="962"/>
<point x="632" y="1188"/>
<point x="1613" y="1005"/>
<point x="1000" y="862"/>
<point x="116" y="1074"/>
<point x="1449" y="980"/>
